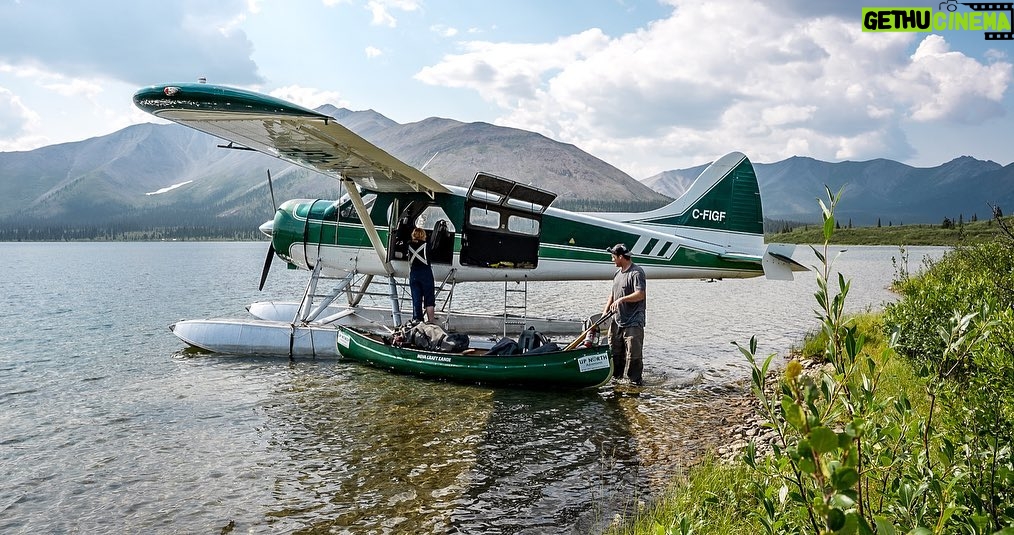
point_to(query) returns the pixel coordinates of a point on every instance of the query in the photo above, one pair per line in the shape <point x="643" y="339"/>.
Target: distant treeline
<point x="181" y="233"/>
<point x="135" y="225"/>
<point x="597" y="205"/>
<point x="947" y="233"/>
<point x="772" y="226"/>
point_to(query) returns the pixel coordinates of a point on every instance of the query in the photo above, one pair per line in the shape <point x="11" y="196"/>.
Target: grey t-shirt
<point x="626" y="283"/>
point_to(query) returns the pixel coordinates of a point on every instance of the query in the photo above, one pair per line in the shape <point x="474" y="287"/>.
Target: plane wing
<point x="286" y="131"/>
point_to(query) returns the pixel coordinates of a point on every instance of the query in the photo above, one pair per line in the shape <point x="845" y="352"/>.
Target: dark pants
<point x="625" y="344"/>
<point x="420" y="280"/>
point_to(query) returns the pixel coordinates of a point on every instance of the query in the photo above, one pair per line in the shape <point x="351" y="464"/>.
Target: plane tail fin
<point x="722" y="208"/>
<point x="724" y="197"/>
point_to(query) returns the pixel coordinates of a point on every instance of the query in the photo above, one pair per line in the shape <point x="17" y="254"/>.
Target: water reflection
<point x="369" y="451"/>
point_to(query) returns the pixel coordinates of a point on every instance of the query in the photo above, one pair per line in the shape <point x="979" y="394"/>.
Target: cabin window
<point x="490" y="197"/>
<point x="528" y="206"/>
<point x="523" y="225"/>
<point x="429" y="217"/>
<point x="482" y="217"/>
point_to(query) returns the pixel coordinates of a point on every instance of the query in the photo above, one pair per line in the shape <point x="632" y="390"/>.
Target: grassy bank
<point x="718" y="497"/>
<point x="964" y="233"/>
<point x="906" y="425"/>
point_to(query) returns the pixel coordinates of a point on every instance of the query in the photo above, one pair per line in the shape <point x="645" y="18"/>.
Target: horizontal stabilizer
<point x="778" y="263"/>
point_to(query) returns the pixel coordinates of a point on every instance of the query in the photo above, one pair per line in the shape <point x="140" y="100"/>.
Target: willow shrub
<point x="850" y="459"/>
<point x="970" y="369"/>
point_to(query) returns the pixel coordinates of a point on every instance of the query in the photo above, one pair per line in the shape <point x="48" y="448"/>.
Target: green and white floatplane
<point x="496" y="230"/>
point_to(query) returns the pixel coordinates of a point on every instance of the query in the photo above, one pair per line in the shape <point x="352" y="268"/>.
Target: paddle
<point x="580" y="338"/>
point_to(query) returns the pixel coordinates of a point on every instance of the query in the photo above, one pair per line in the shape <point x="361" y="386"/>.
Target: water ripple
<point x="110" y="426"/>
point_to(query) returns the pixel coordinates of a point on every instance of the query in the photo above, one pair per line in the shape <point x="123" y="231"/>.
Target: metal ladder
<point x="511" y="298"/>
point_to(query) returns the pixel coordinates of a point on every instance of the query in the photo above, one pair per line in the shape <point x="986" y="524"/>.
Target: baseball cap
<point x="619" y="250"/>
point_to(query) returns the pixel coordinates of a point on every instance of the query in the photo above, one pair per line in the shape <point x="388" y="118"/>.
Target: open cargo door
<point x="502" y="223"/>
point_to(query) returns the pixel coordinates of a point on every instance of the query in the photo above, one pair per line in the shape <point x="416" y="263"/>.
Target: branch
<point x="1000" y="221"/>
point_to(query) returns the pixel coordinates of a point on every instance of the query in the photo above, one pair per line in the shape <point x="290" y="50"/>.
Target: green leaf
<point x="842" y="501"/>
<point x="851" y="524"/>
<point x="864" y="527"/>
<point x="828" y="228"/>
<point x="845" y="478"/>
<point x="793" y="412"/>
<point x="803" y="449"/>
<point x="844" y="440"/>
<point x="835" y="519"/>
<point x="947" y="513"/>
<point x="823" y="440"/>
<point x="856" y="427"/>
<point x="884" y="526"/>
<point x="750" y="457"/>
<point x="820" y="256"/>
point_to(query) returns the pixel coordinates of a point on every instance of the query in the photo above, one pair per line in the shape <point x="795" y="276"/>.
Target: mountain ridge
<point x="111" y="178"/>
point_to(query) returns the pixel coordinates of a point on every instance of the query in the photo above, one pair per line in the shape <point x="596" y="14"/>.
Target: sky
<point x="645" y="85"/>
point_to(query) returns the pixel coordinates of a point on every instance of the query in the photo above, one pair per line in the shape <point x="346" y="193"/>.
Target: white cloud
<point x="509" y="73"/>
<point x="372" y="52"/>
<point x="444" y="31"/>
<point x="774" y="84"/>
<point x="309" y="97"/>
<point x="15" y="118"/>
<point x="123" y="41"/>
<point x="786" y="114"/>
<point x="941" y="84"/>
<point x="382" y="10"/>
<point x="74" y="88"/>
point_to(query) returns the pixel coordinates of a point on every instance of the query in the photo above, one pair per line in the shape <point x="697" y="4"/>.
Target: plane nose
<point x="267" y="228"/>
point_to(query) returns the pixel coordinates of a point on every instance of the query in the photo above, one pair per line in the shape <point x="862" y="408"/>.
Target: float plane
<point x="498" y="229"/>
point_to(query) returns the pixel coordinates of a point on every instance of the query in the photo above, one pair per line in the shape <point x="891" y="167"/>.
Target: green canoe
<point x="577" y="368"/>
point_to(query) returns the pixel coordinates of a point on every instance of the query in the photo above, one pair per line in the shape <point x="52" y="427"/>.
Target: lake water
<point x="105" y="426"/>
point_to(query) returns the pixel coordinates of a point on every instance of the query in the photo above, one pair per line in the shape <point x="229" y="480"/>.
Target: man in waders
<point x="627" y="302"/>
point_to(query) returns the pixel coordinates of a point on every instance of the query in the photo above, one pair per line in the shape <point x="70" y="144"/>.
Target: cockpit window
<point x="348" y="212"/>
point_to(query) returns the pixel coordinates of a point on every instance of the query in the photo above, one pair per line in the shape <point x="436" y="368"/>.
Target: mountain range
<point x="158" y="176"/>
<point x="883" y="191"/>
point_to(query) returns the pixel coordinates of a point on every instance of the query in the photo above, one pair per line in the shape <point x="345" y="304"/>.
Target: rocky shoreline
<point x="747" y="420"/>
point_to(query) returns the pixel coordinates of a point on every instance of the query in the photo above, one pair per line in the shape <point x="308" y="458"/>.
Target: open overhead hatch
<point x="503" y="223"/>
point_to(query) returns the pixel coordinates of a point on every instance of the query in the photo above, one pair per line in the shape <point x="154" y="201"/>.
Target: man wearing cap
<point x="627" y="302"/>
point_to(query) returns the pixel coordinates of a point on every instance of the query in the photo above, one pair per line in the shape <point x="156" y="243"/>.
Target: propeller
<point x="267" y="266"/>
<point x="268" y="228"/>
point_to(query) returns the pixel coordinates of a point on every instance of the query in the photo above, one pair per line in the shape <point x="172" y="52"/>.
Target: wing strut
<point x="364" y="217"/>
